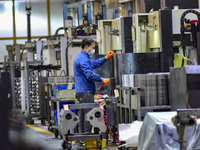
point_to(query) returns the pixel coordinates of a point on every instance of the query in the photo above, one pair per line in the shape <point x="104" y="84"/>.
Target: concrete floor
<point x="38" y="139"/>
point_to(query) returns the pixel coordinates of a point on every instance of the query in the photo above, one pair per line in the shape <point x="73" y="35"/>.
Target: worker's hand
<point x="110" y="54"/>
<point x="105" y="81"/>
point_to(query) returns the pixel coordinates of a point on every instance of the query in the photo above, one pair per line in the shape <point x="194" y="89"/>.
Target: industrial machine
<point x="184" y="87"/>
<point x="53" y="52"/>
<point x="185" y="37"/>
<point x="187" y="53"/>
<point x="22" y="52"/>
<point x="25" y="98"/>
<point x="115" y="35"/>
<point x="146" y="32"/>
<point x="153" y="34"/>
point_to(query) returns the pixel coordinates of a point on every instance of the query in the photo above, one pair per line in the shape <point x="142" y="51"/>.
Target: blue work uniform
<point x="84" y="76"/>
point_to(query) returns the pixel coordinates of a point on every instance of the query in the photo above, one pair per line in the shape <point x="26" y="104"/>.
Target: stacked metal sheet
<point x="131" y="80"/>
<point x="154" y="87"/>
<point x="151" y="92"/>
<point x="162" y="89"/>
<point x="140" y="81"/>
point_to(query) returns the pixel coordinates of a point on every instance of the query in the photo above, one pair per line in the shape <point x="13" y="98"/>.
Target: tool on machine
<point x="184" y="118"/>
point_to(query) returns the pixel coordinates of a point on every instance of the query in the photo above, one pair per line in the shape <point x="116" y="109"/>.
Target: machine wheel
<point x="69" y="146"/>
<point x="61" y="136"/>
<point x="56" y="133"/>
<point x="122" y="148"/>
<point x="64" y="145"/>
<point x="99" y="145"/>
<point x="43" y="122"/>
<point x="29" y="121"/>
<point x="50" y="128"/>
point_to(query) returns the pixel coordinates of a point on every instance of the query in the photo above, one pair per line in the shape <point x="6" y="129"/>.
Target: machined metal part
<point x="96" y="118"/>
<point x="83" y="106"/>
<point x="68" y="120"/>
<point x="184" y="118"/>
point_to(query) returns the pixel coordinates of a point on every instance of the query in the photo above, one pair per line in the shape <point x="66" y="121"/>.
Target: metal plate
<point x="137" y="63"/>
<point x="105" y="71"/>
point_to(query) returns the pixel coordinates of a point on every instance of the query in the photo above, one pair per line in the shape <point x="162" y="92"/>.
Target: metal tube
<point x="14" y="27"/>
<point x="12" y="76"/>
<point x="130" y="109"/>
<point x="138" y="106"/>
<point x="49" y="18"/>
<point x="27" y="88"/>
<point x="28" y="9"/>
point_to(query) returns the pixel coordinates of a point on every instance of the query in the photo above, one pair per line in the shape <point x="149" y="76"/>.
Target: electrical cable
<point x="105" y="116"/>
<point x="60" y="28"/>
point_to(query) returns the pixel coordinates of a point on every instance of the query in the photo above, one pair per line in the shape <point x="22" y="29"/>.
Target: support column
<point x="49" y="17"/>
<point x="14" y="27"/>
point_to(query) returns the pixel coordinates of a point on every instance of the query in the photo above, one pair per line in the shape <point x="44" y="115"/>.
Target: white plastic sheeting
<point x="129" y="133"/>
<point x="159" y="133"/>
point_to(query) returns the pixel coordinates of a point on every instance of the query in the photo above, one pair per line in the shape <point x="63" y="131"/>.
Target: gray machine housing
<point x="185" y="87"/>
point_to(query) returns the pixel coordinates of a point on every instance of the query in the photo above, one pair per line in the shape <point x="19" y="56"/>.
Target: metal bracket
<point x="68" y="120"/>
<point x="96" y="119"/>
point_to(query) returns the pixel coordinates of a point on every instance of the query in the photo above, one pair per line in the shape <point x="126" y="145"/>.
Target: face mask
<point x="91" y="53"/>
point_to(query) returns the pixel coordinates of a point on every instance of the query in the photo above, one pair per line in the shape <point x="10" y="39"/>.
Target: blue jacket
<point x="84" y="76"/>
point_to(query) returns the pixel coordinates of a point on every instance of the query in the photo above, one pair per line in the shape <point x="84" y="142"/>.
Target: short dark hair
<point x="87" y="42"/>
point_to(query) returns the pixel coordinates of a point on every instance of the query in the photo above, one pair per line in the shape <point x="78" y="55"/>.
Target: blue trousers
<point x="84" y="126"/>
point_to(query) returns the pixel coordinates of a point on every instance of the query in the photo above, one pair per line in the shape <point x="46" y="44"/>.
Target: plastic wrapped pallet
<point x="129" y="133"/>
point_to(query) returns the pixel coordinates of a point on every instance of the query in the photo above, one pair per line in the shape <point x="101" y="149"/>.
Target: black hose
<point x="60" y="28"/>
<point x="63" y="71"/>
<point x="45" y="37"/>
<point x="66" y="52"/>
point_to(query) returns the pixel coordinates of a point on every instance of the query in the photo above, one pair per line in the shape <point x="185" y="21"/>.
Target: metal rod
<point x="12" y="76"/>
<point x="28" y="9"/>
<point x="18" y="38"/>
<point x="14" y="27"/>
<point x="27" y="88"/>
<point x="138" y="106"/>
<point x="49" y="18"/>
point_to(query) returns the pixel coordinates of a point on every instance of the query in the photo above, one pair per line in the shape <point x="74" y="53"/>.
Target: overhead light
<point x="8" y="4"/>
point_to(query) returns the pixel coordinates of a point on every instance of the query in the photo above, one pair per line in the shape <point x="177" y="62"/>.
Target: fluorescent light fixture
<point x="8" y="4"/>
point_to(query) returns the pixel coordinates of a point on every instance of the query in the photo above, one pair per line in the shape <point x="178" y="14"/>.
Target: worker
<point x="85" y="78"/>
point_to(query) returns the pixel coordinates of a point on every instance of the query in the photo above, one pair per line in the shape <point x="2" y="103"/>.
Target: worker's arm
<point x="97" y="63"/>
<point x="88" y="71"/>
